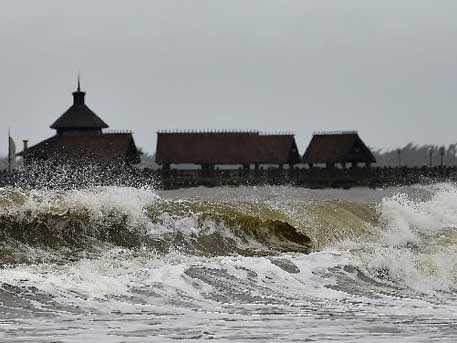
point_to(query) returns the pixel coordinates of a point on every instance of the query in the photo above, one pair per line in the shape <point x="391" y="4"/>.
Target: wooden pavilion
<point x="80" y="137"/>
<point x="341" y="148"/>
<point x="209" y="149"/>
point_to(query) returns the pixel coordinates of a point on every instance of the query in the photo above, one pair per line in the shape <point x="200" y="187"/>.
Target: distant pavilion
<point x="211" y="148"/>
<point x="80" y="137"/>
<point x="343" y="148"/>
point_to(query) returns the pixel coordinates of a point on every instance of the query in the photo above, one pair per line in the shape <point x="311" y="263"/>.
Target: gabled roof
<point x="278" y="149"/>
<point x="225" y="148"/>
<point x="79" y="117"/>
<point x="102" y="147"/>
<point x="336" y="148"/>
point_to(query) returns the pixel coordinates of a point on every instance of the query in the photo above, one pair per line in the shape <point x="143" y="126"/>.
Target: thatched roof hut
<point x="342" y="147"/>
<point x="225" y="148"/>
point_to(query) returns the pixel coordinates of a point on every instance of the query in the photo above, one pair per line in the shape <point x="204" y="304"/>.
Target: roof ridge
<point x="207" y="131"/>
<point x="335" y="132"/>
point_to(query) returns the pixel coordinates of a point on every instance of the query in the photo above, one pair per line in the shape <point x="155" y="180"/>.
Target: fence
<point x="312" y="178"/>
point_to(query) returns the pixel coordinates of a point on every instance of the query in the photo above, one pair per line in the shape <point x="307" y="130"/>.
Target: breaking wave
<point x="399" y="240"/>
<point x="109" y="250"/>
<point x="50" y="225"/>
<point x="415" y="247"/>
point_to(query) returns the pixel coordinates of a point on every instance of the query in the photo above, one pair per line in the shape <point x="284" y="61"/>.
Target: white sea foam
<point x="97" y="202"/>
<point x="416" y="244"/>
<point x="395" y="283"/>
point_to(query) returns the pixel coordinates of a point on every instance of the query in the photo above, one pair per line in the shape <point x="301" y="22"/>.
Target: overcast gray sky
<point x="386" y="68"/>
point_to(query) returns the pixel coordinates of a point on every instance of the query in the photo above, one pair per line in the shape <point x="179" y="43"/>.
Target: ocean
<point x="245" y="264"/>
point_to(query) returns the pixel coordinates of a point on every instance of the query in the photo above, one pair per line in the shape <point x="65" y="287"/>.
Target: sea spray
<point x="259" y="264"/>
<point x="415" y="246"/>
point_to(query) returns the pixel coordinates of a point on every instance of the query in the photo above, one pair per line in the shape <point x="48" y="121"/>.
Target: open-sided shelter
<point x="225" y="148"/>
<point x="331" y="148"/>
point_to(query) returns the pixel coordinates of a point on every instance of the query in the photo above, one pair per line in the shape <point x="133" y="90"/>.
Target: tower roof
<point x="79" y="116"/>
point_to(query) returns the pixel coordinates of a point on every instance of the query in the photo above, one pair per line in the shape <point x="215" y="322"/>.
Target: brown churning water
<point x="229" y="264"/>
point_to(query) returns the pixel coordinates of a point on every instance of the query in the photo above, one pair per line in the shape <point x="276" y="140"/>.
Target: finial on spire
<point x="78" y="95"/>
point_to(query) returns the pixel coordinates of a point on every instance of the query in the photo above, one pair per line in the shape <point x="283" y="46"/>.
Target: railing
<point x="312" y="178"/>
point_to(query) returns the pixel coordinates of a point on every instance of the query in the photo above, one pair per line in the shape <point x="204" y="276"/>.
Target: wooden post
<point x="442" y="156"/>
<point x="9" y="153"/>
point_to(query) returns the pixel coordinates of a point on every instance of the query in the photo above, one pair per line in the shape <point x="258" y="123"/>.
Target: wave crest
<point x="73" y="223"/>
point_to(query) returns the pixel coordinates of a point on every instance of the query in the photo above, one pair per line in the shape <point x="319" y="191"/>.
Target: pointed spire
<point x="78" y="95"/>
<point x="79" y="81"/>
